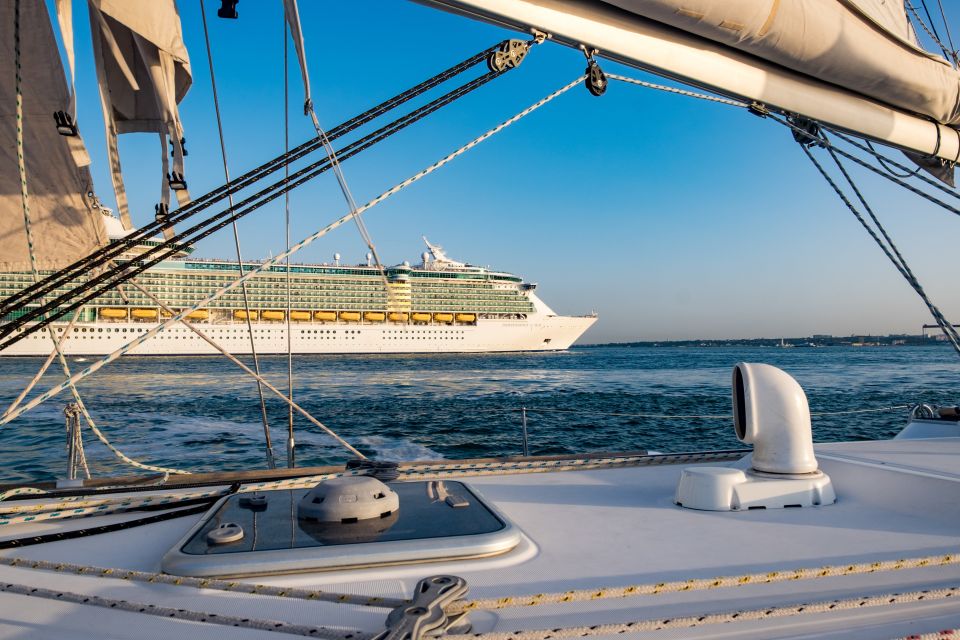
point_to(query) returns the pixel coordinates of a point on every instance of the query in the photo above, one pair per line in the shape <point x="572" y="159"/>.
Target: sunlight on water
<point x="202" y="413"/>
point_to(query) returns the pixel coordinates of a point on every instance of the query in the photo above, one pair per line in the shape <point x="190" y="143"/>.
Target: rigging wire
<point x="236" y="241"/>
<point x="291" y="443"/>
<point x="115" y="248"/>
<point x="267" y="264"/>
<point x="931" y="31"/>
<point x="889" y="248"/>
<point x="946" y="26"/>
<point x="890" y="161"/>
<point x="58" y="307"/>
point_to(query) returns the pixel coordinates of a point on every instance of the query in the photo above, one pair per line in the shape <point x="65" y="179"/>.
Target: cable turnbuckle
<point x="509" y="56"/>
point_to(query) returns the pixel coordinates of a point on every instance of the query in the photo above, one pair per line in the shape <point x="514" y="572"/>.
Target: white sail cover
<point x="867" y="46"/>
<point x="852" y="64"/>
<point x="144" y="72"/>
<point x="65" y="227"/>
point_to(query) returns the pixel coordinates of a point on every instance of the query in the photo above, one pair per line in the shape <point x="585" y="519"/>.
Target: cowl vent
<point x="770" y="411"/>
<point x="349" y="499"/>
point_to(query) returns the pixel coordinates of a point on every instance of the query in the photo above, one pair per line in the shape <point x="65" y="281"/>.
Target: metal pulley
<point x="228" y="9"/>
<point x="510" y="54"/>
<point x="596" y="80"/>
<point x="807" y="132"/>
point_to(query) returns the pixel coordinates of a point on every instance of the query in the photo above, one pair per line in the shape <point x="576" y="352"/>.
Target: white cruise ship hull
<point x="535" y="333"/>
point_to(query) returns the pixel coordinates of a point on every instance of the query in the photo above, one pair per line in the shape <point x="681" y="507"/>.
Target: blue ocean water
<point x="202" y="413"/>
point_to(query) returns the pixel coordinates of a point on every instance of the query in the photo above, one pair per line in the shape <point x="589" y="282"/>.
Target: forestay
<point x="64" y="222"/>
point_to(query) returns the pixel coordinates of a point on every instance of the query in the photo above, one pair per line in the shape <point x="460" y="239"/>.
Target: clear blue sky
<point x="670" y="217"/>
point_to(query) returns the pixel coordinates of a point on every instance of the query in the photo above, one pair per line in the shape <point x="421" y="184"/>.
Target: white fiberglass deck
<point x="583" y="529"/>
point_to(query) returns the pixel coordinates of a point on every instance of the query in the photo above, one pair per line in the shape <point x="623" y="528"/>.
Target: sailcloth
<point x="144" y="72"/>
<point x="65" y="225"/>
<point x="852" y="64"/>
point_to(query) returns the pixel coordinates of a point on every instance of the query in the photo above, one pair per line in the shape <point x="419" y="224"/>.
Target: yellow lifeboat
<point x="242" y="315"/>
<point x="443" y="317"/>
<point x="421" y="317"/>
<point x="300" y="316"/>
<point x="144" y="313"/>
<point x="272" y="315"/>
<point x="325" y="316"/>
<point x="350" y="316"/>
<point x="374" y="316"/>
<point x="113" y="312"/>
<point x="396" y="316"/>
<point x="199" y="314"/>
<point x="466" y="317"/>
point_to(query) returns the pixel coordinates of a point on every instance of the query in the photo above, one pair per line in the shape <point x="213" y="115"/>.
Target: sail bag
<point x="64" y="222"/>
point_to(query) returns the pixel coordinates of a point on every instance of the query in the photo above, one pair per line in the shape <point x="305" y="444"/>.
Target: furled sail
<point x="64" y="223"/>
<point x="852" y="64"/>
<point x="144" y="72"/>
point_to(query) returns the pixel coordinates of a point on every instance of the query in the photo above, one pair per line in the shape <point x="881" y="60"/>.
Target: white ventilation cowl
<point x="770" y="411"/>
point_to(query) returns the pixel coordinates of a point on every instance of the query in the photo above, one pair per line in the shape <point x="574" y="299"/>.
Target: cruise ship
<point x="439" y="305"/>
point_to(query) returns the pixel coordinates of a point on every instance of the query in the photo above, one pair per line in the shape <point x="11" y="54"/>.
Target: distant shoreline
<point x="817" y="341"/>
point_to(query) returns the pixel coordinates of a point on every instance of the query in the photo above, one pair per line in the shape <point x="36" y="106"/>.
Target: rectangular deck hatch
<point x="451" y="523"/>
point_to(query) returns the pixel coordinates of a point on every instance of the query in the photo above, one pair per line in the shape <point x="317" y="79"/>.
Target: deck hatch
<point x="428" y="526"/>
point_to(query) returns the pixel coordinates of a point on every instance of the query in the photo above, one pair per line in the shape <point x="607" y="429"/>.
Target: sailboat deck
<point x="588" y="529"/>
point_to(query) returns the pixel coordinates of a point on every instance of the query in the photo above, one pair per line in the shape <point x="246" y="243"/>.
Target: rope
<point x="230" y="586"/>
<point x="271" y="464"/>
<point x="274" y="626"/>
<point x="897" y="259"/>
<point x="703" y="584"/>
<point x="25" y="203"/>
<point x="740" y="615"/>
<point x="46" y="365"/>
<point x="884" y="160"/>
<point x="932" y="34"/>
<point x="934" y="635"/>
<point x="114" y="249"/>
<point x="260" y="379"/>
<point x="900" y="261"/>
<point x="270" y="262"/>
<point x="82" y="506"/>
<point x="291" y="441"/>
<point x="678" y="91"/>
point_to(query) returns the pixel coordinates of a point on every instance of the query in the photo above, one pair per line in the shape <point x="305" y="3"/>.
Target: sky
<point x="670" y="217"/>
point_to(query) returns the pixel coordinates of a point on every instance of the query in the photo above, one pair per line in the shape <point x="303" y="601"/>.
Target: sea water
<point x="203" y="413"/>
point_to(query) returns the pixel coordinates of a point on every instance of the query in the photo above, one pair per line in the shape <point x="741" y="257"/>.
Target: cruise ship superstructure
<point x="440" y="305"/>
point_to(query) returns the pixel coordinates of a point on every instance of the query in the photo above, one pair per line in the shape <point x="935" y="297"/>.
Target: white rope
<point x="274" y="626"/>
<point x="213" y="584"/>
<point x="306" y="414"/>
<point x="705" y="584"/>
<point x="682" y="92"/>
<point x="266" y="264"/>
<point x="741" y="615"/>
